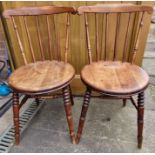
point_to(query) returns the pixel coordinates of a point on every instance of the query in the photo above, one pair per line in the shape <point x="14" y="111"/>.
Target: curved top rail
<point x="34" y="11"/>
<point x="114" y="8"/>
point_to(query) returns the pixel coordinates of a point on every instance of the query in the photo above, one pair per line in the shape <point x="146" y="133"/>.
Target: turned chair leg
<point x="67" y="105"/>
<point x="140" y="119"/>
<point x="37" y="101"/>
<point x="16" y="117"/>
<point x="124" y="102"/>
<point x="71" y="96"/>
<point x="83" y="114"/>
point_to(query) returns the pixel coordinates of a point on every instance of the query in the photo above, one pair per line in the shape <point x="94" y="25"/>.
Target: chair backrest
<point x="113" y="28"/>
<point x="50" y="46"/>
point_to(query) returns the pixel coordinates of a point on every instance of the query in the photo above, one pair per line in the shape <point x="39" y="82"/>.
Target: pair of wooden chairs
<point x="116" y="79"/>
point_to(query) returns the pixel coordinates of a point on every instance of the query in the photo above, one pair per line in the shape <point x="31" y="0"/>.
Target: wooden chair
<point x="41" y="77"/>
<point x="115" y="76"/>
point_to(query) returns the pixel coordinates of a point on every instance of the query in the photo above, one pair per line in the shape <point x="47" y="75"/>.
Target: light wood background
<point x="78" y="53"/>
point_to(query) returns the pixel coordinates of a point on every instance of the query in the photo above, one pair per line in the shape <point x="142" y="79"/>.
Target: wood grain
<point x="34" y="11"/>
<point x="115" y="77"/>
<point x="78" y="43"/>
<point x="114" y="8"/>
<point x="41" y="76"/>
<point x="114" y="32"/>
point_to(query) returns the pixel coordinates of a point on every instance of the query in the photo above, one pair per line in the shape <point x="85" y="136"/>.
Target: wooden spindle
<point x="106" y="25"/>
<point x="88" y="39"/>
<point x="97" y="37"/>
<point x="40" y="41"/>
<point x="49" y="37"/>
<point x="29" y="38"/>
<point x="116" y="35"/>
<point x="58" y="44"/>
<point x="102" y="37"/>
<point x="19" y="41"/>
<point x="67" y="37"/>
<point x="141" y="24"/>
<point x="126" y="37"/>
<point x="58" y="52"/>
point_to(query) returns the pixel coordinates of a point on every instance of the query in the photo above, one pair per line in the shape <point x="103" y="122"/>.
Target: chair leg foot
<point x="83" y="114"/>
<point x="140" y="118"/>
<point x="16" y="117"/>
<point x="67" y="105"/>
<point x="124" y="102"/>
<point x="140" y="140"/>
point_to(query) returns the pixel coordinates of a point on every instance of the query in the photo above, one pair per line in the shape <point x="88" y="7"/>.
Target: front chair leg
<point x="16" y="117"/>
<point x="83" y="114"/>
<point x="140" y="119"/>
<point x="67" y="104"/>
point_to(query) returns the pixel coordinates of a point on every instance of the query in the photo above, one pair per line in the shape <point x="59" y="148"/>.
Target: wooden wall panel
<point x="78" y="54"/>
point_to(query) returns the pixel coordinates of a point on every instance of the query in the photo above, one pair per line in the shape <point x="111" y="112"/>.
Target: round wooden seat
<point x="41" y="76"/>
<point x="115" y="77"/>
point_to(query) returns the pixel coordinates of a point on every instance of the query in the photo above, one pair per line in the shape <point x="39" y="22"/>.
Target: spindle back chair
<point x="116" y="75"/>
<point x="101" y="15"/>
<point x="48" y="12"/>
<point x="41" y="77"/>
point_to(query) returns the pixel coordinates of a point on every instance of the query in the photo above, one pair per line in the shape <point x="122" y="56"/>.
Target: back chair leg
<point x="83" y="114"/>
<point x="140" y="119"/>
<point x="71" y="96"/>
<point x="16" y="117"/>
<point x="124" y="102"/>
<point x="67" y="105"/>
<point x="37" y="101"/>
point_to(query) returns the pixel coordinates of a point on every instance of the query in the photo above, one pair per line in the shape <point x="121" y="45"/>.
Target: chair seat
<point x="41" y="76"/>
<point x="114" y="77"/>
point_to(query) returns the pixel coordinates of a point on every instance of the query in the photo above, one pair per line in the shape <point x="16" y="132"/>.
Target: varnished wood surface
<point x="111" y="77"/>
<point x="46" y="76"/>
<point x="120" y="10"/>
<point x="33" y="11"/>
<point x="115" y="77"/>
<point x="140" y="118"/>
<point x="41" y="76"/>
<point x="115" y="8"/>
<point x="36" y="13"/>
<point x="78" y="43"/>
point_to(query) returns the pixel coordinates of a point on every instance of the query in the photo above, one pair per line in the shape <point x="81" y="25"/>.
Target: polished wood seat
<point x="41" y="76"/>
<point x="115" y="77"/>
